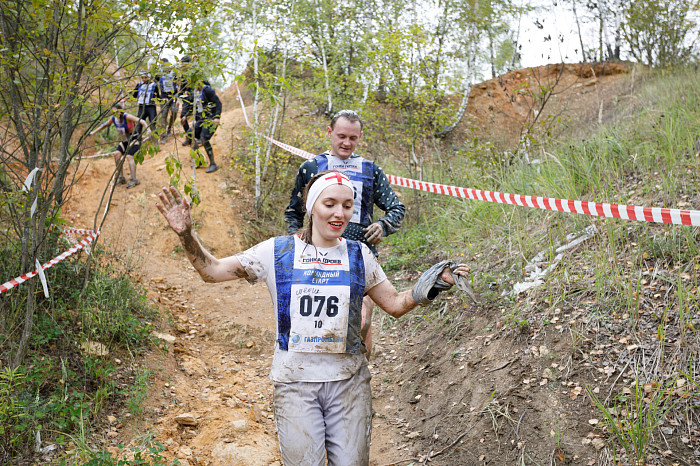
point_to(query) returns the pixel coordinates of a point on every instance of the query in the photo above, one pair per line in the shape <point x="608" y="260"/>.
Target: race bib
<point x="166" y="83"/>
<point x="143" y="90"/>
<point x="319" y="309"/>
<point x="352" y="168"/>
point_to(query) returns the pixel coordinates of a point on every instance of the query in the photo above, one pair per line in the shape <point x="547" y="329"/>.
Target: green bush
<point x="60" y="387"/>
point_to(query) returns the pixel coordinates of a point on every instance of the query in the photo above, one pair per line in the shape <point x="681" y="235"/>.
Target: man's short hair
<point x="349" y="115"/>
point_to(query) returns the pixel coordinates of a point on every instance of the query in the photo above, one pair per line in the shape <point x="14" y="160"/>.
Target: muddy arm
<point x="397" y="304"/>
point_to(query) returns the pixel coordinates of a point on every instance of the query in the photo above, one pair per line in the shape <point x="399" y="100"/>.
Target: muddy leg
<point x="119" y="178"/>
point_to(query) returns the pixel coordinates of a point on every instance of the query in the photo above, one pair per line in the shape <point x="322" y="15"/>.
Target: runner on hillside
<point x="207" y="118"/>
<point x="316" y="279"/>
<point x="130" y="144"/>
<point x="168" y="107"/>
<point x="186" y="95"/>
<point x="371" y="188"/>
<point x="146" y="93"/>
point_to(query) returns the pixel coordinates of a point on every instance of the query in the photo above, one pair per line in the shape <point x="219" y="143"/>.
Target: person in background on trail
<point x="207" y="118"/>
<point x="371" y="188"/>
<point x="186" y="95"/>
<point x="316" y="279"/>
<point x="168" y="107"/>
<point x="146" y="94"/>
<point x="130" y="143"/>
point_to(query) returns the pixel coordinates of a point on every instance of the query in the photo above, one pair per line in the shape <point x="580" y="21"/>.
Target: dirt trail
<point x="217" y="364"/>
<point x="214" y="376"/>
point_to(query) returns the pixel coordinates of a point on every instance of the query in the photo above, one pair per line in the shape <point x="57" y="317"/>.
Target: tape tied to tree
<point x="90" y="236"/>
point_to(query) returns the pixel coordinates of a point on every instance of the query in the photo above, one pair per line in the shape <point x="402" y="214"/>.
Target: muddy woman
<point x="317" y="280"/>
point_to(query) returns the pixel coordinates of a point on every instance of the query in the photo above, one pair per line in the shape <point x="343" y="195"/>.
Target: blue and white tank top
<point x="146" y="92"/>
<point x="167" y="82"/>
<point x="361" y="174"/>
<point x="319" y="298"/>
<point x="317" y="295"/>
<point x="122" y="125"/>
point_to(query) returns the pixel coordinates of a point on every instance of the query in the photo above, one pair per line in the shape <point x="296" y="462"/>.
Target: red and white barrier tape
<point x="77" y="246"/>
<point x="628" y="212"/>
<point x="287" y="147"/>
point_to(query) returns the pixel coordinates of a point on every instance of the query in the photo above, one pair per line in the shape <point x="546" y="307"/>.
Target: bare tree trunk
<point x="273" y="124"/>
<point x="256" y="99"/>
<point x="460" y="113"/>
<point x="468" y="87"/>
<point x="280" y="96"/>
<point x="491" y="54"/>
<point x="578" y="27"/>
<point x="28" y="325"/>
<point x="516" y="42"/>
<point x="39" y="153"/>
<point x="322" y="39"/>
<point x="601" y="53"/>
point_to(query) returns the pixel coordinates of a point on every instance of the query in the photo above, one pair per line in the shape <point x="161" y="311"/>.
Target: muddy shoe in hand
<point x="133" y="182"/>
<point x="212" y="168"/>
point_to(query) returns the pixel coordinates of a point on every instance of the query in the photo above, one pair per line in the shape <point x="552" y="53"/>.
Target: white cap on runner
<point x="330" y="179"/>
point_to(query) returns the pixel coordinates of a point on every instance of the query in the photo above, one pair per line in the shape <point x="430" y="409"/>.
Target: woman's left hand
<point x="462" y="270"/>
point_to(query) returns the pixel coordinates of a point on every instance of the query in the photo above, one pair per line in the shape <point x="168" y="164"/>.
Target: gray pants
<point x="315" y="419"/>
<point x="168" y="112"/>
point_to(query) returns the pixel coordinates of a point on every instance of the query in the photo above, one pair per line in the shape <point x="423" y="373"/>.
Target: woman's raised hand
<point x="176" y="210"/>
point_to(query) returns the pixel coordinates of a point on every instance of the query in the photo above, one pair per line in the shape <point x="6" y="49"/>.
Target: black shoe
<point x="121" y="179"/>
<point x="212" y="168"/>
<point x="133" y="182"/>
<point x="186" y="142"/>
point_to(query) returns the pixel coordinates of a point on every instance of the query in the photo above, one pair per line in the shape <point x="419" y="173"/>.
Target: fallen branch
<point x="430" y="455"/>
<point x="452" y="444"/>
<point x="502" y="366"/>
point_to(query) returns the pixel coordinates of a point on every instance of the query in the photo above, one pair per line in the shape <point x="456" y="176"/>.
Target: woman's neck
<point x="320" y="242"/>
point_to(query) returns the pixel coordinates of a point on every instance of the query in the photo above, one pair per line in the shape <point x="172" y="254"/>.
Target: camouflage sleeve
<point x="385" y="198"/>
<point x="294" y="214"/>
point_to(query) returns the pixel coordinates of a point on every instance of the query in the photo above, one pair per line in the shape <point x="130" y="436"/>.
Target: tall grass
<point x="635" y="416"/>
<point x="646" y="159"/>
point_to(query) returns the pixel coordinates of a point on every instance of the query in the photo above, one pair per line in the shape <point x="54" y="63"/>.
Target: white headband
<point x="325" y="181"/>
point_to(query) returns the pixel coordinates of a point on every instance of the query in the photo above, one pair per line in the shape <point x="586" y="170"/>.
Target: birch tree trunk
<point x="516" y="42"/>
<point x="322" y="40"/>
<point x="273" y="124"/>
<point x="256" y="99"/>
<point x="578" y="27"/>
<point x="471" y="60"/>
